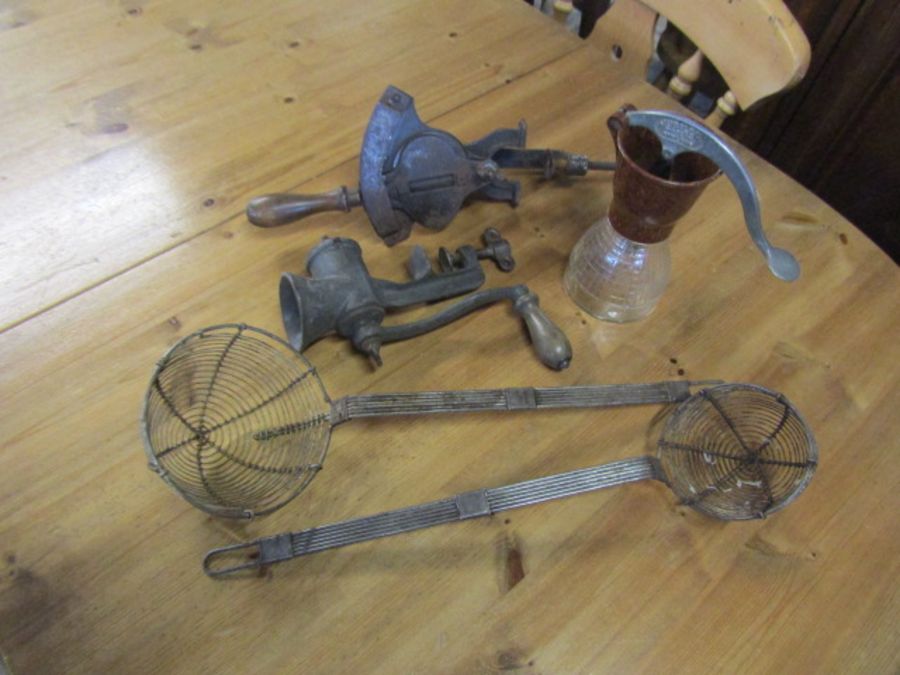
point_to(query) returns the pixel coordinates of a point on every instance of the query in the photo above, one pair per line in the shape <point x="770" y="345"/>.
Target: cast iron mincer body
<point x="340" y="296"/>
<point x="412" y="173"/>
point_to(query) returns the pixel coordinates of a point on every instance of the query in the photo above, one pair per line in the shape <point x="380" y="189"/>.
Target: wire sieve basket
<point x="733" y="452"/>
<point x="239" y="423"/>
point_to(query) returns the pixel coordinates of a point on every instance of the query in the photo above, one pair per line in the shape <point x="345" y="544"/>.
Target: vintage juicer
<point x="621" y="266"/>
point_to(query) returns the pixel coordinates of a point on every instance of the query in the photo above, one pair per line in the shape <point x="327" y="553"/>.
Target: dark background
<point x="838" y="131"/>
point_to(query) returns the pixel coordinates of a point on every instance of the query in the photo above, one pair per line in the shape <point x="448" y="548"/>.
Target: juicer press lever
<point x="679" y="134"/>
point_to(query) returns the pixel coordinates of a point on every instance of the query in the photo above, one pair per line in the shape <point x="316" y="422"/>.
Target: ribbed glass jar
<point x="614" y="278"/>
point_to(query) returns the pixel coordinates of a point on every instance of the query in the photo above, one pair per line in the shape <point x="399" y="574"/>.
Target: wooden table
<point x="134" y="133"/>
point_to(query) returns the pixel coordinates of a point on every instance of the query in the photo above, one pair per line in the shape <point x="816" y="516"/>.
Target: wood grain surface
<point x="100" y="562"/>
<point x="148" y="123"/>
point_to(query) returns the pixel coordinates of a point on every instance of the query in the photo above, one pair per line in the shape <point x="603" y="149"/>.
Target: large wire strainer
<point x="239" y="423"/>
<point x="733" y="451"/>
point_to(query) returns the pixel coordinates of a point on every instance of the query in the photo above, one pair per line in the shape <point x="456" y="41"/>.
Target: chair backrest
<point x="757" y="46"/>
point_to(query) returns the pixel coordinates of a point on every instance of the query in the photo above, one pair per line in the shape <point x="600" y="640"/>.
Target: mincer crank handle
<point x="474" y="504"/>
<point x="280" y="209"/>
<point x="548" y="341"/>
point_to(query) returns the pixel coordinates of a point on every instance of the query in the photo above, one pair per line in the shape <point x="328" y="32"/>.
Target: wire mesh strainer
<point x="734" y="452"/>
<point x="239" y="423"/>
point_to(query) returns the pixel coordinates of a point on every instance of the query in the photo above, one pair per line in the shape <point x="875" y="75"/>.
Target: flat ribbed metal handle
<point x="474" y="504"/>
<point x="522" y="398"/>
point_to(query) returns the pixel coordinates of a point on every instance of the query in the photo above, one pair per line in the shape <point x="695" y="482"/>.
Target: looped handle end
<point x="253" y="555"/>
<point x="215" y="562"/>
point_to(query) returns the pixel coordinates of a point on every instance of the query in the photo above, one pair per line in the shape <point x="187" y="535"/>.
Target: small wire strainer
<point x="210" y="393"/>
<point x="733" y="451"/>
<point x="737" y="451"/>
<point x="239" y="423"/>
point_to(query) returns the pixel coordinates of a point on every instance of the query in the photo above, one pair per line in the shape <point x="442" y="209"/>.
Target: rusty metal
<point x="733" y="452"/>
<point x="340" y="296"/>
<point x="650" y="193"/>
<point x="684" y="142"/>
<point x="496" y="248"/>
<point x="238" y="422"/>
<point x="410" y="173"/>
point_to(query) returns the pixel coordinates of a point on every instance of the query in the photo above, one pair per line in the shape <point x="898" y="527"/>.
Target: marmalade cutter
<point x="410" y="173"/>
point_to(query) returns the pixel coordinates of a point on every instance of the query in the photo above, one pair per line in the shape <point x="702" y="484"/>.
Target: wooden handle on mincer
<point x="280" y="209"/>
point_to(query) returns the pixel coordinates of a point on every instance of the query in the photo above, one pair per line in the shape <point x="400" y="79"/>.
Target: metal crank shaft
<point x="464" y="506"/>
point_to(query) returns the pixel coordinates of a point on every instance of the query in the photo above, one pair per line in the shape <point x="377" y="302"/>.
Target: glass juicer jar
<point x="620" y="267"/>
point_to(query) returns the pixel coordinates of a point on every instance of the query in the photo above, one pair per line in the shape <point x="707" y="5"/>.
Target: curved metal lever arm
<point x="681" y="134"/>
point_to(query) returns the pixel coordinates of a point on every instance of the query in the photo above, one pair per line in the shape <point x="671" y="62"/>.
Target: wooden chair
<point x="560" y="10"/>
<point x="757" y="46"/>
